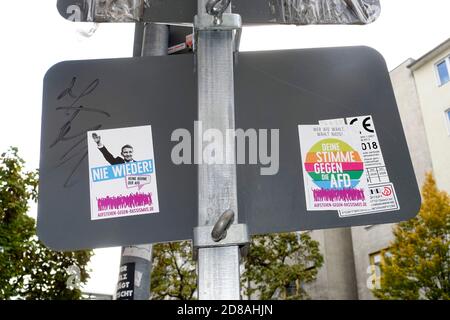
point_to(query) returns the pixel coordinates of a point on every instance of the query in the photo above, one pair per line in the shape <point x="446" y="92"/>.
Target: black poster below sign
<point x="125" y="286"/>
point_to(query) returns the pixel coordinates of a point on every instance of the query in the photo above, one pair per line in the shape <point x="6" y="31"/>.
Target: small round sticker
<point x="334" y="165"/>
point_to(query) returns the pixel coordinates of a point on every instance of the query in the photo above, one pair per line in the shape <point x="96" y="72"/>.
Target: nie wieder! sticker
<point x="333" y="168"/>
<point x="122" y="173"/>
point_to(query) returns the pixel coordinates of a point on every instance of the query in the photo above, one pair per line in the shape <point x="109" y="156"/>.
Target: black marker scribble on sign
<point x="78" y="146"/>
<point x="68" y="91"/>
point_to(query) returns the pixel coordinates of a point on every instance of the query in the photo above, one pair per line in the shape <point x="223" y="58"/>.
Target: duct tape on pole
<point x="136" y="262"/>
<point x="253" y="12"/>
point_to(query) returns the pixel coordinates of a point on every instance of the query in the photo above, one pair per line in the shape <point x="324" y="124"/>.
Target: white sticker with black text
<point x="382" y="198"/>
<point x="374" y="166"/>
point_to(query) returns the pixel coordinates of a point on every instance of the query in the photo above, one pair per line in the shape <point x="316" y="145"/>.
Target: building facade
<point x="432" y="76"/>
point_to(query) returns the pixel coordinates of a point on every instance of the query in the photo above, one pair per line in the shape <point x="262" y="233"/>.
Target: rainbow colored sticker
<point x="334" y="165"/>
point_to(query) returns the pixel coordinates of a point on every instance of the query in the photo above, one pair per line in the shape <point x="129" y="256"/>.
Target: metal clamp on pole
<point x="217" y="20"/>
<point x="223" y="234"/>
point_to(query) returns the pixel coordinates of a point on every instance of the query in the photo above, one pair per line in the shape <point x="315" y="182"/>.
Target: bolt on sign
<point x="299" y="12"/>
<point x="349" y="166"/>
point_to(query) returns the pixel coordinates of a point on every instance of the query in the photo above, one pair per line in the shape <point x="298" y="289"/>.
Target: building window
<point x="443" y="68"/>
<point x="291" y="289"/>
<point x="447" y="119"/>
<point x="376" y="260"/>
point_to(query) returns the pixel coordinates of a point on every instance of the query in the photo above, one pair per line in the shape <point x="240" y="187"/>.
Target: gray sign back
<point x="288" y="88"/>
<point x="130" y="92"/>
<point x="274" y="90"/>
<point x="252" y="11"/>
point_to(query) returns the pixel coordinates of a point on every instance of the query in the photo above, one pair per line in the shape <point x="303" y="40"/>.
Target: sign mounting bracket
<point x="222" y="22"/>
<point x="223" y="234"/>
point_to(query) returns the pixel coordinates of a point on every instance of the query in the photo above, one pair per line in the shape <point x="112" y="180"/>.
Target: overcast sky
<point x="35" y="37"/>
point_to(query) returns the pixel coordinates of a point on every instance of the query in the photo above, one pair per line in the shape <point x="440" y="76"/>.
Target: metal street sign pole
<point x="155" y="40"/>
<point x="218" y="267"/>
<point x="138" y="39"/>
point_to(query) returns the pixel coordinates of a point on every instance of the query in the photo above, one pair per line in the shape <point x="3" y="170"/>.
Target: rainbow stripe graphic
<point x="334" y="165"/>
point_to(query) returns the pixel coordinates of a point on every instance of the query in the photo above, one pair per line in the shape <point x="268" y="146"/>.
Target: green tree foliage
<point x="417" y="266"/>
<point x="173" y="274"/>
<point x="274" y="263"/>
<point x="29" y="270"/>
<point x="278" y="265"/>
